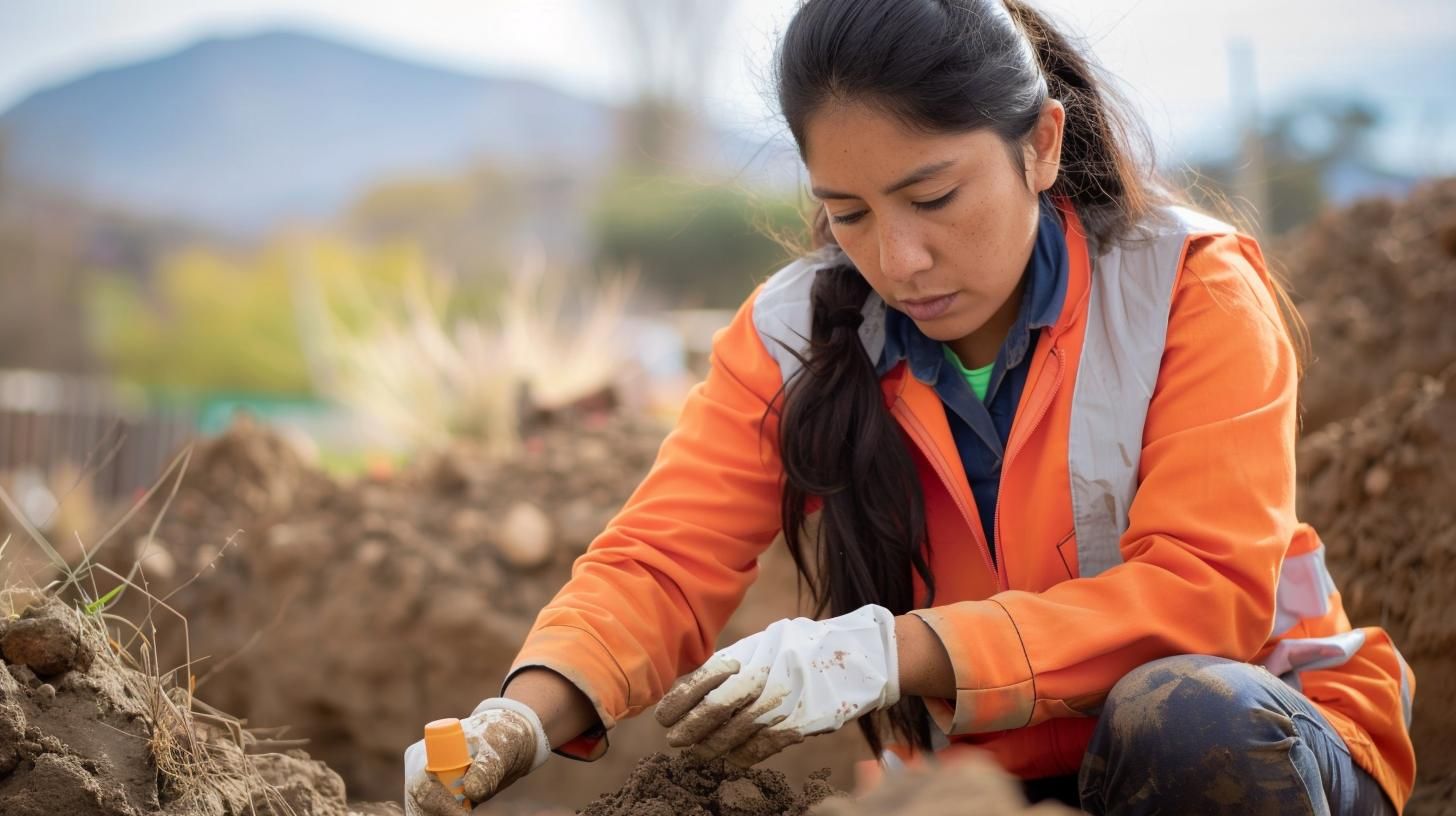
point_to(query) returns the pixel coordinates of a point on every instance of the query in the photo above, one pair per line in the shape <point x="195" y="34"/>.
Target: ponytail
<point x="841" y="445"/>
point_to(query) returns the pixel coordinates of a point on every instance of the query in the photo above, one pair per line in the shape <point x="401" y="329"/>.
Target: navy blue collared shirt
<point x="981" y="428"/>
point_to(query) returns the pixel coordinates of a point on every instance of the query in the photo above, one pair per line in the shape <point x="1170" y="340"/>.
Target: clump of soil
<point x="1380" y="488"/>
<point x="681" y="785"/>
<point x="1376" y="283"/>
<point x="966" y="785"/>
<point x="81" y="732"/>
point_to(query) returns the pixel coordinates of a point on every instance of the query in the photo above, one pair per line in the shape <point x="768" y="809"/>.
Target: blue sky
<point x="1172" y="55"/>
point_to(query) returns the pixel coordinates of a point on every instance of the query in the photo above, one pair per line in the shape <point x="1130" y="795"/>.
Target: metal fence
<point x="50" y="422"/>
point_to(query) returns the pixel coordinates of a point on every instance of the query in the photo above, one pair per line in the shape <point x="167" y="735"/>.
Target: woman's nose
<point x="902" y="253"/>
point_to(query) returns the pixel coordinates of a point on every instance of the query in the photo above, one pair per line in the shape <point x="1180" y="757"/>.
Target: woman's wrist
<point x="925" y="667"/>
<point x="565" y="712"/>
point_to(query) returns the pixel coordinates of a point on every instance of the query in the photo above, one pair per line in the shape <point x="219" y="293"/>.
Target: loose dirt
<point x="680" y="785"/>
<point x="355" y="612"/>
<point x="1381" y="489"/>
<point x="1376" y="283"/>
<point x="81" y="732"/>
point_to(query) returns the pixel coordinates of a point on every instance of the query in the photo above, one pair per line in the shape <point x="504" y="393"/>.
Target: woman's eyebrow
<point x="916" y="176"/>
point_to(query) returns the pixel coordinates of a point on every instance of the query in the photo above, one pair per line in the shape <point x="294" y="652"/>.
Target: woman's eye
<point x="920" y="206"/>
<point x="937" y="203"/>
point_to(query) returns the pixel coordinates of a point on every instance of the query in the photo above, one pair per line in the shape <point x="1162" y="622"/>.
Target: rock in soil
<point x="47" y="640"/>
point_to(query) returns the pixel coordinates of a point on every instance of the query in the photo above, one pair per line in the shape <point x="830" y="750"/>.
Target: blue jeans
<point x="1200" y="734"/>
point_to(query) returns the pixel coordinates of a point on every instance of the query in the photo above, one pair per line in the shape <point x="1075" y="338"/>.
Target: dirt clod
<point x="47" y="640"/>
<point x="687" y="786"/>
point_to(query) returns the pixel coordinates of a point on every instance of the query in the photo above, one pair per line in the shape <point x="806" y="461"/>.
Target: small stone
<point x="1377" y="481"/>
<point x="525" y="536"/>
<point x="157" y="562"/>
<point x="45" y="693"/>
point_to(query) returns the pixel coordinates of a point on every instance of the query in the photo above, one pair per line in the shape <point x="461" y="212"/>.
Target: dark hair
<point x="938" y="66"/>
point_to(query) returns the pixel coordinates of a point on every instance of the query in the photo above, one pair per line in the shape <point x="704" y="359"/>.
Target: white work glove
<point x="505" y="740"/>
<point x="796" y="678"/>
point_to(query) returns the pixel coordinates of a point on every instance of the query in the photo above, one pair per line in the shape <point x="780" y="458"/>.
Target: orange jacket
<point x="1202" y="555"/>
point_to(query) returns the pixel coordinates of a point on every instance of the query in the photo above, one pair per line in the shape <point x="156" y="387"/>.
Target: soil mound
<point x="1381" y="489"/>
<point x="1376" y="283"/>
<point x="81" y="732"/>
<point x="680" y="785"/>
<point x="353" y="613"/>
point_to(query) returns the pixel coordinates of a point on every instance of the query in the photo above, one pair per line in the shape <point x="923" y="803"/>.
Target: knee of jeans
<point x="1183" y="704"/>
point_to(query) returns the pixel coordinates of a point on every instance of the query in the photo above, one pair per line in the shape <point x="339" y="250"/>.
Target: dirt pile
<point x="1376" y="282"/>
<point x="1381" y="489"/>
<point x="680" y="785"/>
<point x="965" y="785"/>
<point x="356" y="612"/>
<point x="353" y="613"/>
<point x="81" y="732"/>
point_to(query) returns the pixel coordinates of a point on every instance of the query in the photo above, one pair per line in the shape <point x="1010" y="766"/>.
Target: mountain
<point x="239" y="133"/>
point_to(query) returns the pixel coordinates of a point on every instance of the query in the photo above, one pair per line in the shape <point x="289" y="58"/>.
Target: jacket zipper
<point x="922" y="438"/>
<point x="1041" y="409"/>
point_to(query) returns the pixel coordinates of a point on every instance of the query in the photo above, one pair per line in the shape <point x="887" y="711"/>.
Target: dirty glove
<point x="796" y="678"/>
<point x="505" y="740"/>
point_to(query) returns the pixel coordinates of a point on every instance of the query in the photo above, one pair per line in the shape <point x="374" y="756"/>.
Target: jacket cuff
<point x="578" y="656"/>
<point x="995" y="687"/>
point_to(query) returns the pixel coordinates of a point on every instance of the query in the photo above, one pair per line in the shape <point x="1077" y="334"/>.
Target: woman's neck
<point x="980" y="347"/>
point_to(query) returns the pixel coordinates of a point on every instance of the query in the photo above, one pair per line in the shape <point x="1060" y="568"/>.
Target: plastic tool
<point x="447" y="756"/>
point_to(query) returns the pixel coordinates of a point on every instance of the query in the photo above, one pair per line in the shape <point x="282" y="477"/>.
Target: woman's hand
<point x="505" y="740"/>
<point x="796" y="678"/>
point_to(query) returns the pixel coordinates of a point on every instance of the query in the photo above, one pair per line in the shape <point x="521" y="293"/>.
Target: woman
<point x="1047" y="422"/>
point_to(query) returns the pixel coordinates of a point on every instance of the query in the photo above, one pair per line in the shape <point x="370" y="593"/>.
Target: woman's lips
<point x="928" y="309"/>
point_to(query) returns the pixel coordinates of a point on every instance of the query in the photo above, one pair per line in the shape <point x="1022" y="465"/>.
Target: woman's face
<point x="941" y="226"/>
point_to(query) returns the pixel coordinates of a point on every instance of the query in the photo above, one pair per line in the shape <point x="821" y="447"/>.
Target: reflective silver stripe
<point x="1127" y="327"/>
<point x="1302" y="654"/>
<point x="1405" y="689"/>
<point x="1304" y="590"/>
<point x="782" y="313"/>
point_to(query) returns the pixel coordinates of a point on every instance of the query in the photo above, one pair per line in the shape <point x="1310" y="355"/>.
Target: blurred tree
<point x="696" y="245"/>
<point x="1300" y="146"/>
<point x="670" y="46"/>
<point x="469" y="220"/>
<point x="41" y="267"/>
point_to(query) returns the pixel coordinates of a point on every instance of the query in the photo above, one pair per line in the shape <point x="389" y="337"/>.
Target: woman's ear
<point x="1044" y="147"/>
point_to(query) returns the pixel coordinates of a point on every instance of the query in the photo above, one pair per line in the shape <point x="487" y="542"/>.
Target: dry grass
<point x="422" y="379"/>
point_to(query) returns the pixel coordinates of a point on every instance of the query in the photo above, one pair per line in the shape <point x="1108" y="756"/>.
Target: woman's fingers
<point x="681" y="698"/>
<point x="427" y="797"/>
<point x="763" y="745"/>
<point x="740" y="728"/>
<point x="717" y="707"/>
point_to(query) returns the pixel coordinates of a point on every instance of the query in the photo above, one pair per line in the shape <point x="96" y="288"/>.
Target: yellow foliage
<point x="213" y="321"/>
